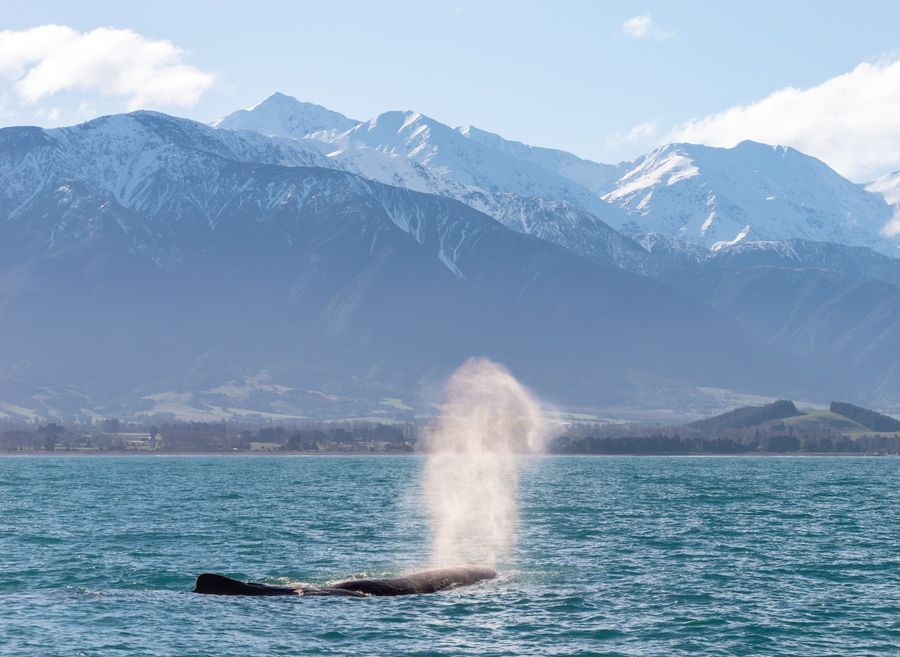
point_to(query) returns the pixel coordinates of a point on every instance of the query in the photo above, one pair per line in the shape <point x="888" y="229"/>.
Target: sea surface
<point x="615" y="556"/>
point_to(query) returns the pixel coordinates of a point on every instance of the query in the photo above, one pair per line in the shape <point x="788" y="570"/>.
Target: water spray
<point x="487" y="423"/>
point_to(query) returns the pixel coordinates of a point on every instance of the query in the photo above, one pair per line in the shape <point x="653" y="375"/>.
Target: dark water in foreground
<point x="618" y="556"/>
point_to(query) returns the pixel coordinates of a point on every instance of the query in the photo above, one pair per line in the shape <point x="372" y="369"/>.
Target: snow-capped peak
<point x="284" y="116"/>
<point x="452" y="157"/>
<point x="717" y="196"/>
<point x="396" y="132"/>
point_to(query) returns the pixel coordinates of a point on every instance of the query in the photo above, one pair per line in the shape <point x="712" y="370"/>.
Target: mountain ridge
<point x="168" y="251"/>
<point x="713" y="197"/>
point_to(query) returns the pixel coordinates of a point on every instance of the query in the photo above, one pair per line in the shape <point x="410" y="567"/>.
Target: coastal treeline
<point x="367" y="437"/>
<point x="775" y="428"/>
<point x="674" y="440"/>
<point x="114" y="435"/>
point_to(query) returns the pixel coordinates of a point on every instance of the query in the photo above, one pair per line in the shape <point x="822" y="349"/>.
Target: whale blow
<point x="487" y="423"/>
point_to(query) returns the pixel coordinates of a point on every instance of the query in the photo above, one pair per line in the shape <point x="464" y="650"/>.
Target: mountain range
<point x="288" y="261"/>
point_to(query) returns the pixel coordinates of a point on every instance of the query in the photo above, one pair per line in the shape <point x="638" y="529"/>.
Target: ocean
<point x="614" y="556"/>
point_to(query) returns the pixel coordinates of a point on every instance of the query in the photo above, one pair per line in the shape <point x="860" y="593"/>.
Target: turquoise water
<point x="616" y="556"/>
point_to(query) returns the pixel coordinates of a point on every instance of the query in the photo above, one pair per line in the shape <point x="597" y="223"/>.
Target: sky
<point x="604" y="80"/>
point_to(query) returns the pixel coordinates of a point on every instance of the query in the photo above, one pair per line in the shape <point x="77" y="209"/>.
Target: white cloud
<point x="851" y="122"/>
<point x="642" y="131"/>
<point x="49" y="59"/>
<point x="87" y="108"/>
<point x="642" y="27"/>
<point x="49" y="113"/>
<point x="892" y="228"/>
<point x="642" y="135"/>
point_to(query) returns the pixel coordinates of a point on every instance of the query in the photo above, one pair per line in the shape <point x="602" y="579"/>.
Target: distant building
<point x="265" y="447"/>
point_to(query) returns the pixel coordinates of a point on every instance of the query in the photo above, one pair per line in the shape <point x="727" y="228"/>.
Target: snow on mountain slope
<point x="144" y="171"/>
<point x="717" y="197"/>
<point x="593" y="176"/>
<point x="283" y="116"/>
<point x="449" y="155"/>
<point x="521" y="195"/>
<point x="166" y="170"/>
<point x="888" y="186"/>
<point x="120" y="153"/>
<point x="415" y="152"/>
<point x="564" y="224"/>
<point x="712" y="197"/>
<point x="158" y="177"/>
<point x="464" y="159"/>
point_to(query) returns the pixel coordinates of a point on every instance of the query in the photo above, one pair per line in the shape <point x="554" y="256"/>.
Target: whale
<point x="427" y="581"/>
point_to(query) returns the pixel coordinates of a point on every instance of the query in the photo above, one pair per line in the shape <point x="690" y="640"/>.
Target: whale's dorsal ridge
<point x="428" y="581"/>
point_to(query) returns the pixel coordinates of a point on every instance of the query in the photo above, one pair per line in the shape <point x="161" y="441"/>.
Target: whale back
<point x="213" y="584"/>
<point x="429" y="581"/>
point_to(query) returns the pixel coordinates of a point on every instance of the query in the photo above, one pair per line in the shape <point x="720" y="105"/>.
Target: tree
<point x="51" y="434"/>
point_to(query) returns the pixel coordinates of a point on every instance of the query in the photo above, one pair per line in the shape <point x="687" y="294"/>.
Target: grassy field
<point x="824" y="421"/>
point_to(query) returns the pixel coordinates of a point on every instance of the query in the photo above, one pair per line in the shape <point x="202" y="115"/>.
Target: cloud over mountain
<point x="851" y="121"/>
<point x="43" y="61"/>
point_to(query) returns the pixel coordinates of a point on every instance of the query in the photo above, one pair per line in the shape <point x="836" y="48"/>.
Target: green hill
<point x="824" y="421"/>
<point x="869" y="419"/>
<point x="748" y="416"/>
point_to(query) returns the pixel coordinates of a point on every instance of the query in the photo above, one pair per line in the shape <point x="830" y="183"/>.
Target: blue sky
<point x="572" y="75"/>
